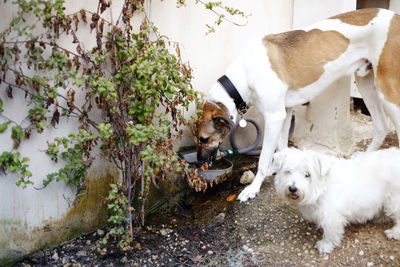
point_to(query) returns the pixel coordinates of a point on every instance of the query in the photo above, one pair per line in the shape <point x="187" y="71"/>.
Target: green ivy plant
<point x="140" y="88"/>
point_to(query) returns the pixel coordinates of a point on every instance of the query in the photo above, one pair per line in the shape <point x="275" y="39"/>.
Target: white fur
<point x="260" y="87"/>
<point x="340" y="191"/>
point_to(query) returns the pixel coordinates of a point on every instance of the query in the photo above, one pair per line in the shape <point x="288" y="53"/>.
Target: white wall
<point x="395" y="6"/>
<point x="307" y="12"/>
<point x="25" y="214"/>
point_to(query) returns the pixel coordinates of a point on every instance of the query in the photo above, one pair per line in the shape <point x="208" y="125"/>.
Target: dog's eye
<point x="288" y="172"/>
<point x="307" y="175"/>
<point x="203" y="140"/>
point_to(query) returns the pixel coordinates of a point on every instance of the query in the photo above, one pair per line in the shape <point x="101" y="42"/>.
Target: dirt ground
<point x="208" y="230"/>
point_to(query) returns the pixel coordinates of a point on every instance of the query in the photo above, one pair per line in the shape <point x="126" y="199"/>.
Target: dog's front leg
<point x="333" y="229"/>
<point x="272" y="131"/>
<point x="284" y="136"/>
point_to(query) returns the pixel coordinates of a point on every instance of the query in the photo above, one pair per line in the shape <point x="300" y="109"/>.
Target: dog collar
<point x="241" y="106"/>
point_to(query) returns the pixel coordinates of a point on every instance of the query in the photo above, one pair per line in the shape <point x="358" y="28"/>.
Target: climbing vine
<point x="128" y="94"/>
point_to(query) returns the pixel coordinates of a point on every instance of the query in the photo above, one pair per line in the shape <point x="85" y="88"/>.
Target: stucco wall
<point x="34" y="218"/>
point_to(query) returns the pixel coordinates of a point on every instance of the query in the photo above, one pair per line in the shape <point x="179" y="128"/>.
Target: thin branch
<point x="81" y="113"/>
<point x="90" y="12"/>
<point x="223" y="17"/>
<point x="7" y="118"/>
<point x="120" y="14"/>
<point x="45" y="42"/>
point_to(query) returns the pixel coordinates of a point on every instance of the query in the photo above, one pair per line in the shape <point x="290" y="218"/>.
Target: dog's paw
<point x="393" y="233"/>
<point x="248" y="193"/>
<point x="324" y="247"/>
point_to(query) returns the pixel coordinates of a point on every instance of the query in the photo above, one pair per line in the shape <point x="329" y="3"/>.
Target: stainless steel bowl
<point x="191" y="157"/>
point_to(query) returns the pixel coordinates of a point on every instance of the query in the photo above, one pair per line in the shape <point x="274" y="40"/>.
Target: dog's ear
<point x="277" y="162"/>
<point x="222" y="124"/>
<point x="324" y="165"/>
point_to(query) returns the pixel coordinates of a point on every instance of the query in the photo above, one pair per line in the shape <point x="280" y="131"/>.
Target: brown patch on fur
<point x="298" y="57"/>
<point x="210" y="111"/>
<point x="208" y="127"/>
<point x="360" y="17"/>
<point x="388" y="70"/>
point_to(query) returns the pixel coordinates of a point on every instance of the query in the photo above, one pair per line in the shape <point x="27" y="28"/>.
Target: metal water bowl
<point x="191" y="157"/>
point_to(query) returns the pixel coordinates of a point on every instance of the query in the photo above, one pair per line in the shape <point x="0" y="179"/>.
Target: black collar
<point x="234" y="94"/>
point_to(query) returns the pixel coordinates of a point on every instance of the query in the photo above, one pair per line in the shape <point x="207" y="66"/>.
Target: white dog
<point x="333" y="192"/>
<point x="279" y="71"/>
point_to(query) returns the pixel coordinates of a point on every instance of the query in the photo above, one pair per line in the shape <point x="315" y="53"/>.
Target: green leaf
<point x="4" y="126"/>
<point x="16" y="132"/>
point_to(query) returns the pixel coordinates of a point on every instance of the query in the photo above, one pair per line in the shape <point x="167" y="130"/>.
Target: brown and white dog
<point x="279" y="71"/>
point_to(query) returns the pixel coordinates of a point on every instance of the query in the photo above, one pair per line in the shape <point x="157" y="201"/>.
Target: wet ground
<point x="207" y="229"/>
<point x="200" y="231"/>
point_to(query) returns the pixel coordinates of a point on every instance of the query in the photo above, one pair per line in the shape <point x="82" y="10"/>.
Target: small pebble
<point x="164" y="232"/>
<point x="369" y="264"/>
<point x="55" y="256"/>
<point x="361" y="253"/>
<point x="81" y="253"/>
<point x="100" y="232"/>
<point x="247" y="177"/>
<point x="391" y="257"/>
<point x="210" y="252"/>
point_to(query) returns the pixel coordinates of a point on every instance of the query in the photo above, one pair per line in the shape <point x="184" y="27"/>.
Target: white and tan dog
<point x="279" y="71"/>
<point x="333" y="192"/>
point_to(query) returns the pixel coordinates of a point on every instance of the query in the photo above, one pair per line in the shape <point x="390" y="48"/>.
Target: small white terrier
<point x="333" y="192"/>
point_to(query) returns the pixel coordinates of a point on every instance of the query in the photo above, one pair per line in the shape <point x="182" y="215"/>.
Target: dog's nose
<point x="292" y="189"/>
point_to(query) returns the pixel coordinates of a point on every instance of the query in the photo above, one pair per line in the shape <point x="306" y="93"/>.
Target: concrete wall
<point x="395" y="6"/>
<point x="34" y="218"/>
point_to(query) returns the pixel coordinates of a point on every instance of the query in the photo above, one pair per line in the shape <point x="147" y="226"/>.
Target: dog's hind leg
<point x="393" y="112"/>
<point x="283" y="139"/>
<point x="366" y="87"/>
<point x="392" y="209"/>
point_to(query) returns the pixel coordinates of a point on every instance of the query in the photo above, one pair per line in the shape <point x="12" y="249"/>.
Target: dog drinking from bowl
<point x="334" y="192"/>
